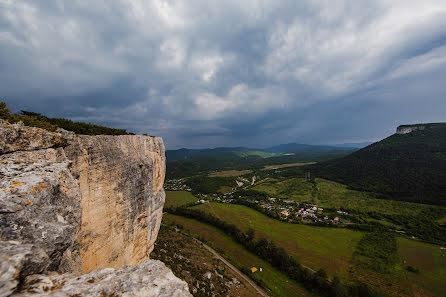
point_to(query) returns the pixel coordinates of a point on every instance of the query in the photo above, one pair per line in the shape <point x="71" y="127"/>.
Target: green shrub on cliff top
<point x="51" y="124"/>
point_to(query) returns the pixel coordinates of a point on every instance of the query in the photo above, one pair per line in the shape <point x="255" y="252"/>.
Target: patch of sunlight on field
<point x="296" y="189"/>
<point x="178" y="198"/>
<point x="227" y="173"/>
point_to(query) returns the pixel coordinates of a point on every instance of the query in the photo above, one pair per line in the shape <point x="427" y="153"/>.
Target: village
<point x="280" y="208"/>
<point x="176" y="185"/>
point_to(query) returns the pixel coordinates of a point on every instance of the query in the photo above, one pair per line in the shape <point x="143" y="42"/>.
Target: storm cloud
<point x="225" y="73"/>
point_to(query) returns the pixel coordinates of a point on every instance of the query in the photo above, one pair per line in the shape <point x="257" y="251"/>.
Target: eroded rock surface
<point x="150" y="278"/>
<point x="15" y="137"/>
<point x="72" y="204"/>
<point x="121" y="180"/>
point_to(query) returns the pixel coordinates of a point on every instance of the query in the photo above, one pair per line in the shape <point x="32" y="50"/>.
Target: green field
<point x="429" y="259"/>
<point x="178" y="198"/>
<point x="316" y="247"/>
<point x="335" y="195"/>
<point x="294" y="188"/>
<point x="442" y="221"/>
<point x="230" y="173"/>
<point x="332" y="249"/>
<point x="277" y="283"/>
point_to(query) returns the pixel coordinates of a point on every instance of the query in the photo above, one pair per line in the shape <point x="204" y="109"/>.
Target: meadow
<point x="429" y="259"/>
<point x="178" y="198"/>
<point x="276" y="283"/>
<point x="315" y="247"/>
<point x="333" y="249"/>
<point x="335" y="195"/>
<point x="271" y="167"/>
<point x="331" y="194"/>
<point x="230" y="173"/>
<point x="295" y="188"/>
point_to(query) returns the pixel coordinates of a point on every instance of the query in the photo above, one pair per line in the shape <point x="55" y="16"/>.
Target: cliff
<point x="73" y="204"/>
<point x="405" y="129"/>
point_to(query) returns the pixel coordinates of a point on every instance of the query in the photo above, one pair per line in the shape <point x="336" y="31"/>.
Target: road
<point x="241" y="274"/>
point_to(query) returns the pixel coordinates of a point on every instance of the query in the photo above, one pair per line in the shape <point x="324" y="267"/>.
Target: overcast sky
<point x="230" y="72"/>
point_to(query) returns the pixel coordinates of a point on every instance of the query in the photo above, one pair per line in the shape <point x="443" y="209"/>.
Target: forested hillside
<point x="409" y="167"/>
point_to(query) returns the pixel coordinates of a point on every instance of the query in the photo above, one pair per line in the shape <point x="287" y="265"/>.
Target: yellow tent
<point x="253" y="269"/>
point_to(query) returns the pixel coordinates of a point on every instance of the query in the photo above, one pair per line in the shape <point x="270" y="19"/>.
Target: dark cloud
<point x="204" y="74"/>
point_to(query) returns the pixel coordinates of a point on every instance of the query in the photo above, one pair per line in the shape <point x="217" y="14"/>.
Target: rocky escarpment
<point x="406" y="129"/>
<point x="71" y="204"/>
<point x="121" y="184"/>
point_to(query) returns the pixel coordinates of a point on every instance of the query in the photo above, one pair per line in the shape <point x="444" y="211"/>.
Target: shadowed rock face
<point x="72" y="204"/>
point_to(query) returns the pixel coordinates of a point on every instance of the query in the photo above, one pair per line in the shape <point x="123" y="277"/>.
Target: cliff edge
<point x="72" y="205"/>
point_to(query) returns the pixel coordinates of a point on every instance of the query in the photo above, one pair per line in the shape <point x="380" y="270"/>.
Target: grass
<point x="429" y="259"/>
<point x="277" y="283"/>
<point x="294" y="188"/>
<point x="230" y="173"/>
<point x="333" y="250"/>
<point x="246" y="153"/>
<point x="442" y="221"/>
<point x="316" y="247"/>
<point x="178" y="198"/>
<point x="270" y="167"/>
<point x="336" y="195"/>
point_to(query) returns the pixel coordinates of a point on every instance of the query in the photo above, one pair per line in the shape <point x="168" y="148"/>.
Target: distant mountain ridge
<point x="186" y="162"/>
<point x="408" y="165"/>
<point x="289" y="148"/>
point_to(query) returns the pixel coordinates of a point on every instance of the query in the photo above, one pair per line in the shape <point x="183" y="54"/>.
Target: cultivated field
<point x="278" y="283"/>
<point x="429" y="259"/>
<point x="227" y="173"/>
<point x="271" y="167"/>
<point x="295" y="188"/>
<point x="178" y="198"/>
<point x="331" y="194"/>
<point x="332" y="249"/>
<point x="316" y="247"/>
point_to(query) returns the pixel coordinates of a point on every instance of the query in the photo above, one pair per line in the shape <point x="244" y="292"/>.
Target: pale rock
<point x="149" y="279"/>
<point x="70" y="204"/>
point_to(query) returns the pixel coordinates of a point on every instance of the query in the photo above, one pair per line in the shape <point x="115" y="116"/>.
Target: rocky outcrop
<point x="406" y="129"/>
<point x="121" y="183"/>
<point x="18" y="137"/>
<point x="149" y="279"/>
<point x="73" y="204"/>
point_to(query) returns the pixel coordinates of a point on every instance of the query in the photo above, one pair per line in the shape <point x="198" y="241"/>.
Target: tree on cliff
<point x="4" y="111"/>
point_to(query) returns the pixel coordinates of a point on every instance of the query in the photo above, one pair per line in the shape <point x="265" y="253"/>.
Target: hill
<point x="297" y="148"/>
<point x="409" y="165"/>
<point x="186" y="162"/>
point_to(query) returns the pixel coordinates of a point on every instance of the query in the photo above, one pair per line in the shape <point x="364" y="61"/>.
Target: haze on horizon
<point x="228" y="73"/>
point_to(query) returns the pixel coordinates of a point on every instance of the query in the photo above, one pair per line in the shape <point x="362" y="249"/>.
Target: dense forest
<point x="33" y="119"/>
<point x="410" y="167"/>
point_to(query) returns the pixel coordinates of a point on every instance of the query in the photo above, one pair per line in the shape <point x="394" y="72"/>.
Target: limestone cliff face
<point x="406" y="129"/>
<point x="121" y="183"/>
<point x="73" y="204"/>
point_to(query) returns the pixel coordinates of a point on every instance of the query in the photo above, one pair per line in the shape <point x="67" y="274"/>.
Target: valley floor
<point x="331" y="249"/>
